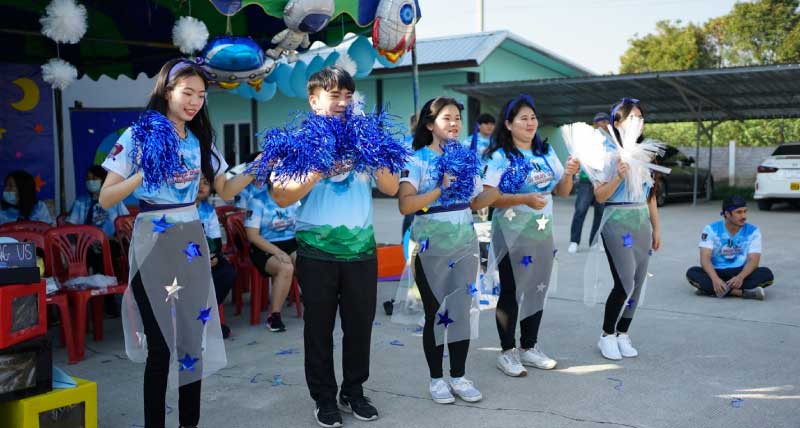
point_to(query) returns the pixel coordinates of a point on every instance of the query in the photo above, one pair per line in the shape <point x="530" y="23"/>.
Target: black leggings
<point x="612" y="322"/>
<point x="157" y="369"/>
<point x="507" y="310"/>
<point x="434" y="354"/>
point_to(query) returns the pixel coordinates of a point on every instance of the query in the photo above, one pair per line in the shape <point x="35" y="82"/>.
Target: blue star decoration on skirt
<point x="631" y="302"/>
<point x="192" y="250"/>
<point x="187" y="362"/>
<point x="444" y="319"/>
<point x="496" y="290"/>
<point x="161" y="225"/>
<point x="526" y="261"/>
<point x="452" y="264"/>
<point x="627" y="240"/>
<point x="471" y="289"/>
<point x="423" y="245"/>
<point x="205" y="315"/>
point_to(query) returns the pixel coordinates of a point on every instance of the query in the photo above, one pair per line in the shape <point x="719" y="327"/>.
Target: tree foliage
<point x="752" y="33"/>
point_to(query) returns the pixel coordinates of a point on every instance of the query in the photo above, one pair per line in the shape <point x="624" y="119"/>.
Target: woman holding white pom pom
<point x="524" y="172"/>
<point x="630" y="226"/>
<point x="169" y="309"/>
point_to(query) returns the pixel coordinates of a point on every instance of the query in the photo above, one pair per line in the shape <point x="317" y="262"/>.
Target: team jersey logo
<point x="404" y="174"/>
<point x="117" y="149"/>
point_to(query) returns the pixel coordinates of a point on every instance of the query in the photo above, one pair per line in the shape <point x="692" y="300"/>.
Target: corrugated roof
<point x="473" y="48"/>
<point x="758" y="92"/>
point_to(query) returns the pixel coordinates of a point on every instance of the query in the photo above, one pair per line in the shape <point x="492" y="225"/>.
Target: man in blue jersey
<point x="484" y="127"/>
<point x="730" y="251"/>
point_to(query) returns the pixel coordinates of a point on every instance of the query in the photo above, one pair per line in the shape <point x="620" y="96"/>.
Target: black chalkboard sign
<point x="18" y="263"/>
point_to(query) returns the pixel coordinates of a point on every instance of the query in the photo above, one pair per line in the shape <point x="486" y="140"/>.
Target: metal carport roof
<point x="758" y="92"/>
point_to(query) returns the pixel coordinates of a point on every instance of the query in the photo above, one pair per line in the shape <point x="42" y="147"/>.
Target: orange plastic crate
<point x="390" y="262"/>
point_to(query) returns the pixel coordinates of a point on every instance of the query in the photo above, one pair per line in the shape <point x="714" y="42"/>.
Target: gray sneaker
<point x="440" y="392"/>
<point x="754" y="293"/>
<point x="465" y="389"/>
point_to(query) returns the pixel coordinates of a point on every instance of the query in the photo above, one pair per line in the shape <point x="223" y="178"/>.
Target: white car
<point x="778" y="177"/>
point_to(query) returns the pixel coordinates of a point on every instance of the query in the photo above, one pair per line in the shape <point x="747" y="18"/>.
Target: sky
<point x="591" y="33"/>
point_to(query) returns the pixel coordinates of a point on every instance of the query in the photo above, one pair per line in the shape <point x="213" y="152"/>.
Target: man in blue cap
<point x="730" y="251"/>
<point x="585" y="197"/>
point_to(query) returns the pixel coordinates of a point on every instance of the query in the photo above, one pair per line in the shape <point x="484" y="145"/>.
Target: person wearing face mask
<point x="630" y="227"/>
<point x="522" y="231"/>
<point x="20" y="201"/>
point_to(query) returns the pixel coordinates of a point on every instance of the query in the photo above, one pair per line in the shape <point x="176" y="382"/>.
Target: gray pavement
<point x="704" y="362"/>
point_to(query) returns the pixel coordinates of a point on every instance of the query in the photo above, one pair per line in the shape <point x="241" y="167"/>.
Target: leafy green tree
<point x="673" y="47"/>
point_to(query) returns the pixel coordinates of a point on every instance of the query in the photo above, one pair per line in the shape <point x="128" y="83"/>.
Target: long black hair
<point x="200" y="125"/>
<point x="422" y="135"/>
<point x="502" y="139"/>
<point x="620" y="112"/>
<point x="26" y="193"/>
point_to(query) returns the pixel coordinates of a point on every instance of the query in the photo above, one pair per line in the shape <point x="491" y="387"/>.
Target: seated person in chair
<point x="222" y="271"/>
<point x="270" y="230"/>
<point x="730" y="251"/>
<point x="20" y="201"/>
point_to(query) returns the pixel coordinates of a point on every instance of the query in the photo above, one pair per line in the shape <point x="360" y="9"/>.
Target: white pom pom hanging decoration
<point x="347" y="64"/>
<point x="59" y="73"/>
<point x="64" y="21"/>
<point x="189" y="34"/>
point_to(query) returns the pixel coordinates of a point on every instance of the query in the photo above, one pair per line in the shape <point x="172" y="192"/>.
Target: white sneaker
<point x="465" y="390"/>
<point x="535" y="358"/>
<point x="609" y="348"/>
<point x="440" y="392"/>
<point x="508" y="362"/>
<point x="625" y="346"/>
<point x="573" y="248"/>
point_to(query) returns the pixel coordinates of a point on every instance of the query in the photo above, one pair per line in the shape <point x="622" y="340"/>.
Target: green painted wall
<point x="504" y="65"/>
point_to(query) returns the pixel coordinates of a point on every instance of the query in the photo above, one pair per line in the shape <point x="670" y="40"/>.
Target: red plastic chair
<point x="31" y="225"/>
<point x="132" y="209"/>
<point x="259" y="285"/>
<point x="67" y="248"/>
<point x="58" y="299"/>
<point x="123" y="229"/>
<point x="223" y="212"/>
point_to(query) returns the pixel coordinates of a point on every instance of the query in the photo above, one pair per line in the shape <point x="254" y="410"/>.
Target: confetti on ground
<point x="618" y="386"/>
<point x="396" y="343"/>
<point x="736" y="403"/>
<point x="252" y="343"/>
<point x="287" y="351"/>
<point x="376" y="323"/>
<point x="277" y="380"/>
<point x="253" y="379"/>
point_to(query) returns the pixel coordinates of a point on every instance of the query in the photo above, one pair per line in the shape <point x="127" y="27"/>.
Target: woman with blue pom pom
<point x="170" y="309"/>
<point x="439" y="185"/>
<point x="523" y="171"/>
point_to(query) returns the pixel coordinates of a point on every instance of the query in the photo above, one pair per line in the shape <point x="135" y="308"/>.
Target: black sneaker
<point x="274" y="322"/>
<point x="226" y="331"/>
<point x="359" y="406"/>
<point x="327" y="414"/>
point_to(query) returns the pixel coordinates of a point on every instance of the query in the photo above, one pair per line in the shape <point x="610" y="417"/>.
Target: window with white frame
<point x="237" y="142"/>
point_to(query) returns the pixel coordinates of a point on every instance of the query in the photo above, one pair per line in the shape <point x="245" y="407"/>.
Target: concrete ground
<point x="704" y="362"/>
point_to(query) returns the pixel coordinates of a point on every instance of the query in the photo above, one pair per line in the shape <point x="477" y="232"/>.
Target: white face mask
<point x="93" y="186"/>
<point x="631" y="129"/>
<point x="10" y="197"/>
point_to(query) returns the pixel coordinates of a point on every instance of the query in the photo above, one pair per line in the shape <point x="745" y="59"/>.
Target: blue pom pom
<point x="461" y="163"/>
<point x="296" y="150"/>
<point x="154" y="137"/>
<point x="371" y="141"/>
<point x="515" y="175"/>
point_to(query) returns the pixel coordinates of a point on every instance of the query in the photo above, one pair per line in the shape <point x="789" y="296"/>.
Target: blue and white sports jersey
<point x="182" y="188"/>
<point x="39" y="213"/>
<point x="546" y="173"/>
<point x="274" y="223"/>
<point x="102" y="218"/>
<point x="483" y="143"/>
<point x="209" y="219"/>
<point x="730" y="251"/>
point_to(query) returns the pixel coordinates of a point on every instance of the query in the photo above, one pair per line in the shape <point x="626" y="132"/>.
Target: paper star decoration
<point x="161" y="225"/>
<point x="192" y="250"/>
<point x="496" y="290"/>
<point x="627" y="240"/>
<point x="187" y="362"/>
<point x="630" y="303"/>
<point x="510" y="214"/>
<point x="526" y="261"/>
<point x="542" y="222"/>
<point x="444" y="319"/>
<point x="423" y="245"/>
<point x="205" y="315"/>
<point x="541" y="287"/>
<point x="471" y="289"/>
<point x="172" y="290"/>
<point x="451" y="265"/>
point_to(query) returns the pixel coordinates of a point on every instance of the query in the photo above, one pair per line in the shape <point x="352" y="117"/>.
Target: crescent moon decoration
<point x="30" y="94"/>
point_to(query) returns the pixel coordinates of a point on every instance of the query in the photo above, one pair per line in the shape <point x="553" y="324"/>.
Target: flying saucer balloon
<point x="232" y="60"/>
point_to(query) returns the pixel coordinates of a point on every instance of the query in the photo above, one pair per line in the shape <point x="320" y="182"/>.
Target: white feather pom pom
<point x="359" y="101"/>
<point x="347" y="64"/>
<point x="59" y="73"/>
<point x="64" y="21"/>
<point x="189" y="34"/>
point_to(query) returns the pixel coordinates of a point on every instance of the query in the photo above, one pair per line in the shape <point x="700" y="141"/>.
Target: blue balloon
<point x="298" y="79"/>
<point x="267" y="92"/>
<point x="330" y="61"/>
<point x="283" y="79"/>
<point x="388" y="64"/>
<point x="314" y="66"/>
<point x="362" y="52"/>
<point x="406" y="244"/>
